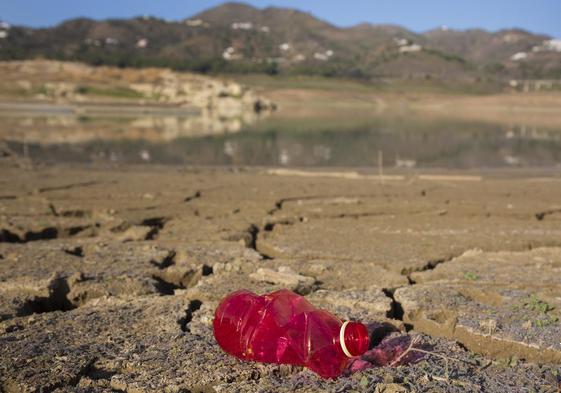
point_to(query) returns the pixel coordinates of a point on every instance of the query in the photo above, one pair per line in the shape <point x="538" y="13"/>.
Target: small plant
<point x="507" y="362"/>
<point x="82" y="89"/>
<point x="471" y="276"/>
<point x="538" y="305"/>
<point x="550" y="320"/>
<point x="42" y="89"/>
<point x="114" y="91"/>
<point x="364" y="382"/>
<point x="513" y="361"/>
<point x="538" y="323"/>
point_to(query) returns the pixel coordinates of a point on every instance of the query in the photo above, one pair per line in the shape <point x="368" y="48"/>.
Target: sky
<point x="540" y="16"/>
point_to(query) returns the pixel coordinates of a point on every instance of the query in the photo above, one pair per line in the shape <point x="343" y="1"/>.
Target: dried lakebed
<point x="109" y="278"/>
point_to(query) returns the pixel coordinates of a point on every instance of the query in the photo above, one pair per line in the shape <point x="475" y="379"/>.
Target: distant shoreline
<point x="97" y="109"/>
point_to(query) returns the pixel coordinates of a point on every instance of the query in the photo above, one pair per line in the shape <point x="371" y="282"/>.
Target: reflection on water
<point x="403" y="142"/>
<point x="73" y="129"/>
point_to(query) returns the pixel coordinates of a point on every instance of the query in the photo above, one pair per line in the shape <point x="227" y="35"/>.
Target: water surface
<point x="403" y="141"/>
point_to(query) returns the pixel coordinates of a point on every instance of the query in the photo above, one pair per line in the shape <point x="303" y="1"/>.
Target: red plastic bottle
<point x="283" y="327"/>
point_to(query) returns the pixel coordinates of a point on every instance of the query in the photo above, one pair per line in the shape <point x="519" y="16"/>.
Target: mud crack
<point x="170" y="277"/>
<point x="251" y="242"/>
<point x="169" y="260"/>
<point x="73" y="185"/>
<point x="396" y="311"/>
<point x="540" y="216"/>
<point x="429" y="265"/>
<point x="77" y="251"/>
<point x="280" y="203"/>
<point x="77" y="213"/>
<point x="196" y="195"/>
<point x="47" y="233"/>
<point x="56" y="300"/>
<point x="165" y="287"/>
<point x="184" y="321"/>
<point x="99" y="373"/>
<point x="156" y="224"/>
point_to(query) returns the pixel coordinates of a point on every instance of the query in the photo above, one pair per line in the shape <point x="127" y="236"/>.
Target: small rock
<point x="390" y="388"/>
<point x="285" y="276"/>
<point x="134" y="233"/>
<point x="354" y="304"/>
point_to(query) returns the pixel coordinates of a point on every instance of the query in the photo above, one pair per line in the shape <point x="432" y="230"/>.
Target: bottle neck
<point x="353" y="338"/>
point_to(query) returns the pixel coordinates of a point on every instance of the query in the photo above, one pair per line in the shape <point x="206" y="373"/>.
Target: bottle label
<point x="342" y="339"/>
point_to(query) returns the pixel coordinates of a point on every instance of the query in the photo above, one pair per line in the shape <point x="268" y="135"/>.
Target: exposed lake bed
<point x="112" y="276"/>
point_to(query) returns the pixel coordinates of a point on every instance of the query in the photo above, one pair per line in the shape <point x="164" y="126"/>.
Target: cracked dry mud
<point x="109" y="278"/>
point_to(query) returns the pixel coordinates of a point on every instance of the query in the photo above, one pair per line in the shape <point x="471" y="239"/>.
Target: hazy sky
<point x="543" y="16"/>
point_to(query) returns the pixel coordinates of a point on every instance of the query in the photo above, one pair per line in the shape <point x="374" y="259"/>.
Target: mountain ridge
<point x="236" y="37"/>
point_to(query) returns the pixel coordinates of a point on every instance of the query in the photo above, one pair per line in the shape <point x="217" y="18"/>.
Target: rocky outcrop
<point x="156" y="104"/>
<point x="66" y="82"/>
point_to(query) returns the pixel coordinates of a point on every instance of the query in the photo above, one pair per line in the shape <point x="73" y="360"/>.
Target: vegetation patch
<point x="113" y="91"/>
<point x="535" y="304"/>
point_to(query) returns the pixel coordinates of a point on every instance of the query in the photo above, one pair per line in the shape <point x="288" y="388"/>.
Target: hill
<point x="235" y="37"/>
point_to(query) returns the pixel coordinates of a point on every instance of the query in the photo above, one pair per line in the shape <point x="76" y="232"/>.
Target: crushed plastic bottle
<point x="284" y="328"/>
